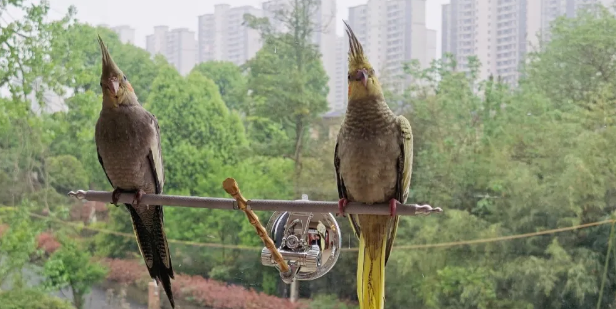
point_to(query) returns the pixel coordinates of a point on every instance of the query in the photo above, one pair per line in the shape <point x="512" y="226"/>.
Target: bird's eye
<point x="371" y="72"/>
<point x="125" y="77"/>
<point x="101" y="84"/>
<point x="349" y="76"/>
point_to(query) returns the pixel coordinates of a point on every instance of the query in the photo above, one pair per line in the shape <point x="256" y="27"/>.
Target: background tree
<point x="17" y="244"/>
<point x="501" y="161"/>
<point x="71" y="266"/>
<point x="288" y="83"/>
<point x="230" y="81"/>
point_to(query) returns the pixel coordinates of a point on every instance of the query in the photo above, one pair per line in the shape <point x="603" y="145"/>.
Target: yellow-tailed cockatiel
<point x="128" y="145"/>
<point x="373" y="158"/>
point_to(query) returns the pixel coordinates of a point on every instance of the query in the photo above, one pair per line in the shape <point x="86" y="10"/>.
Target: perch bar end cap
<point x="80" y="194"/>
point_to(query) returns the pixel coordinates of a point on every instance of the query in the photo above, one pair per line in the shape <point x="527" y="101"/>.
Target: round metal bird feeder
<point x="309" y="242"/>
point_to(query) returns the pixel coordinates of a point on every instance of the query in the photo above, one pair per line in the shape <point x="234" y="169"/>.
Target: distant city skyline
<point x="501" y="33"/>
<point x="392" y="32"/>
<point x="143" y="17"/>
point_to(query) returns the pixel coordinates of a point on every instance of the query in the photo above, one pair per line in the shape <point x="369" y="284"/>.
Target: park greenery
<point x="499" y="160"/>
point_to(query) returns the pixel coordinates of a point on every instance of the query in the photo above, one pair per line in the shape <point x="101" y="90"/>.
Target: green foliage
<point x="285" y="97"/>
<point x="288" y="85"/>
<point x="512" y="162"/>
<point x="71" y="266"/>
<point x="230" y="81"/>
<point x="577" y="61"/>
<point x="25" y="50"/>
<point x="196" y="125"/>
<point x="73" y="133"/>
<point x="17" y="243"/>
<point x="500" y="161"/>
<point x="31" y="299"/>
<point x="322" y="301"/>
<point x="111" y="245"/>
<point x="66" y="173"/>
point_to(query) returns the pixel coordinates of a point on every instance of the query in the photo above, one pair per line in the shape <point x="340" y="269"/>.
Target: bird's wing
<point x="100" y="160"/>
<point x="342" y="193"/>
<point x="155" y="157"/>
<point x="405" y="162"/>
<point x="405" y="167"/>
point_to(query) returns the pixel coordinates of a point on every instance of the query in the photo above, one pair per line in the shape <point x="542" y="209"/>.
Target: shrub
<point x="205" y="292"/>
<point x="47" y="243"/>
<point x="31" y="299"/>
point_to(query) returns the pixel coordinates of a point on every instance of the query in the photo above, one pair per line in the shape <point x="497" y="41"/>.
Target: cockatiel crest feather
<point x="114" y="84"/>
<point x="109" y="66"/>
<point x="357" y="58"/>
<point x="362" y="78"/>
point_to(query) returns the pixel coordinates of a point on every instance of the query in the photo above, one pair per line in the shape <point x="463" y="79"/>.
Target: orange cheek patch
<point x="349" y="90"/>
<point x="129" y="87"/>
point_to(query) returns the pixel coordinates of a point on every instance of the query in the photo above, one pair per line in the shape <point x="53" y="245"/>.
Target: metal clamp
<point x="309" y="242"/>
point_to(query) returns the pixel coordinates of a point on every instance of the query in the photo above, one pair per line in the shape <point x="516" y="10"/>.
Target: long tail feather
<point x="152" y="242"/>
<point x="371" y="261"/>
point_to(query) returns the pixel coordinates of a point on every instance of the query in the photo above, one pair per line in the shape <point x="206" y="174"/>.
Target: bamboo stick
<point x="230" y="185"/>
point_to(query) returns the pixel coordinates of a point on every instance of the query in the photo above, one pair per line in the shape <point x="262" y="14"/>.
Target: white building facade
<point x="223" y="37"/>
<point x="501" y="32"/>
<point x="178" y="46"/>
<point x="126" y="34"/>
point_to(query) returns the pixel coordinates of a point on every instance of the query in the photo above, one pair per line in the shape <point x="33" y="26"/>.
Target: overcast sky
<point x="143" y="15"/>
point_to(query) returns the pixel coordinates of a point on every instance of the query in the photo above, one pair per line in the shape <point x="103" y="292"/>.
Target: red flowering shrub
<point x="125" y="271"/>
<point x="205" y="292"/>
<point x="100" y="207"/>
<point x="47" y="242"/>
<point x="219" y="295"/>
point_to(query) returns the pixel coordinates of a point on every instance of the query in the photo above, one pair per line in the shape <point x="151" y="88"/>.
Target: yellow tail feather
<point x="371" y="262"/>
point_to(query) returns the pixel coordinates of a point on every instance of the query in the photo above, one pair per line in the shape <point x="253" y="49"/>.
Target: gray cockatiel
<point x="373" y="160"/>
<point x="128" y="145"/>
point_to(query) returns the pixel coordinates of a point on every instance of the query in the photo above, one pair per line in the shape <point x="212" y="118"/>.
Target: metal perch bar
<point x="259" y="205"/>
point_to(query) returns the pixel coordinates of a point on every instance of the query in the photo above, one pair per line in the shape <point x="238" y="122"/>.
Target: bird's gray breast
<point x="123" y="138"/>
<point x="368" y="166"/>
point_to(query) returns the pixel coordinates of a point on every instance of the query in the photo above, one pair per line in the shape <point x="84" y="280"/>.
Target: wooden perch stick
<point x="230" y="185"/>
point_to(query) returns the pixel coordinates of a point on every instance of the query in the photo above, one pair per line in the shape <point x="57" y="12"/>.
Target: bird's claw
<point x="393" y="204"/>
<point x="138" y="196"/>
<point x="341" y="205"/>
<point x="115" y="196"/>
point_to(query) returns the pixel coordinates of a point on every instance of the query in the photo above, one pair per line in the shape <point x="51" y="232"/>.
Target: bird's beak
<point x="362" y="75"/>
<point x="113" y="86"/>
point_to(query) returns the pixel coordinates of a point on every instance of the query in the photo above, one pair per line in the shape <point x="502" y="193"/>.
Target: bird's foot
<point x="393" y="204"/>
<point x="138" y="196"/>
<point x="341" y="205"/>
<point x="115" y="196"/>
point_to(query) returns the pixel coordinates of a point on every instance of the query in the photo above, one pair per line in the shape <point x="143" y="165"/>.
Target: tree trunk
<point x="77" y="298"/>
<point x="297" y="157"/>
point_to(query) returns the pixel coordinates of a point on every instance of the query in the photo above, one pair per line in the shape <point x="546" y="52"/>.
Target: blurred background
<point x="512" y="104"/>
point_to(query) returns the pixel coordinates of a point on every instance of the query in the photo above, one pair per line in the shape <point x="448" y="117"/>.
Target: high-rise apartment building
<point x="340" y="89"/>
<point x="501" y="32"/>
<point x="156" y="43"/>
<point x="223" y="37"/>
<point x="324" y="36"/>
<point x="177" y="45"/>
<point x="448" y="29"/>
<point x="393" y="33"/>
<point x="126" y="34"/>
<point x="181" y="49"/>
